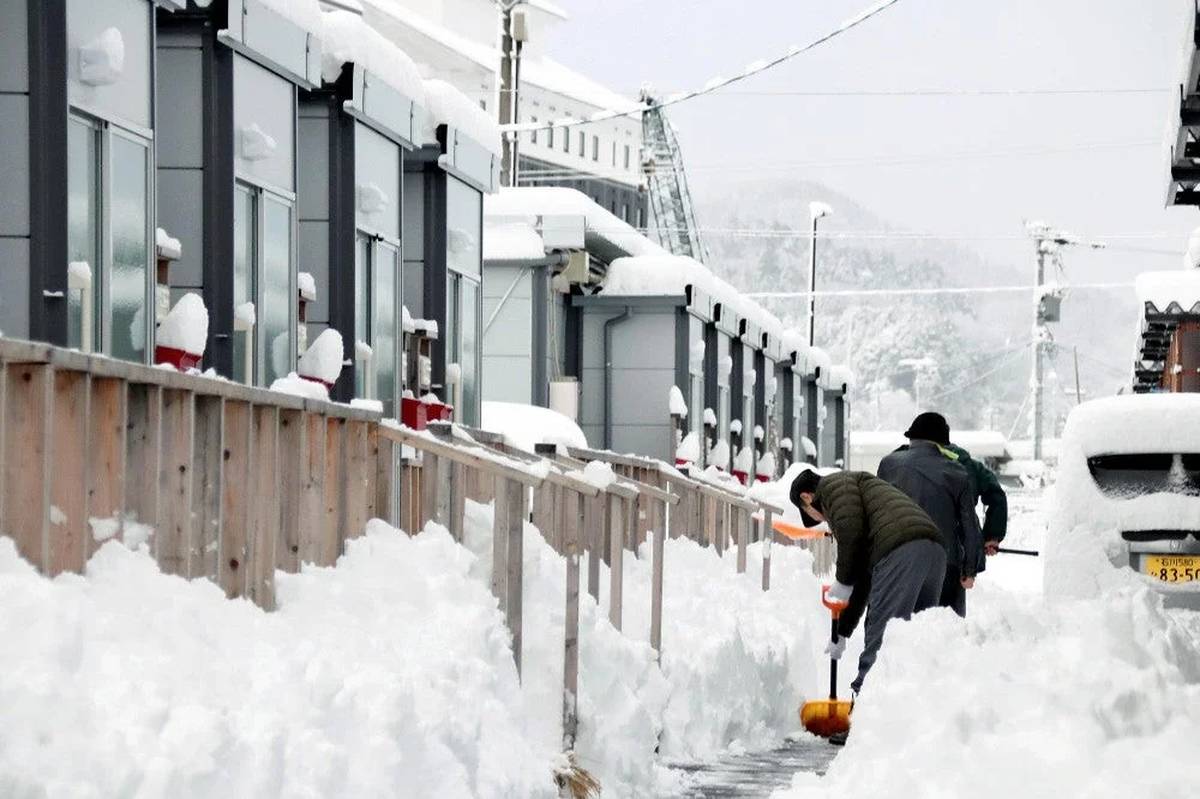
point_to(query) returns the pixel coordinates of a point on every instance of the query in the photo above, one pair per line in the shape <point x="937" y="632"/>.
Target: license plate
<point x="1172" y="568"/>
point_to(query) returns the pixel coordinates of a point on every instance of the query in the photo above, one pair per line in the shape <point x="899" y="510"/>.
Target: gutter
<point x="609" y="325"/>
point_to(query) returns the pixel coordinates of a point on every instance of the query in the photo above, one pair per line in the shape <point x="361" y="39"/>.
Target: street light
<point x="514" y="29"/>
<point x="816" y="210"/>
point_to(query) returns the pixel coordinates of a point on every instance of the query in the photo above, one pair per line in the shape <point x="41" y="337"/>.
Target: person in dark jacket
<point x="944" y="490"/>
<point x="890" y="557"/>
<point x="987" y="489"/>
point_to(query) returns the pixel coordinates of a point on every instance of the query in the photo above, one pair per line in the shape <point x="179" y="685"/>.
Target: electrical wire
<point x="902" y="292"/>
<point x="752" y="69"/>
<point x="1005" y="360"/>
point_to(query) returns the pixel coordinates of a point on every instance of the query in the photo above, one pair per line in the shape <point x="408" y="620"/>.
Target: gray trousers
<point x="905" y="582"/>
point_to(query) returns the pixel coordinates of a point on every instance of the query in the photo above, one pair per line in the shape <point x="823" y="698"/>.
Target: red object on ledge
<point x="317" y="380"/>
<point x="417" y="414"/>
<point x="762" y="478"/>
<point x="180" y="359"/>
<point x="740" y="475"/>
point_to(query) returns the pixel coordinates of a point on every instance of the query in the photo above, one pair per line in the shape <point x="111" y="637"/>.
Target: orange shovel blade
<point x="824" y="717"/>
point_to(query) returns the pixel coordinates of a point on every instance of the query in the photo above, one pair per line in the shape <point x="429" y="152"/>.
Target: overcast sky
<point x="954" y="165"/>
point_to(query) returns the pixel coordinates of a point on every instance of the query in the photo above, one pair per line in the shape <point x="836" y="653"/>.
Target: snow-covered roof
<point x="345" y="37"/>
<point x="481" y="54"/>
<point x="446" y="105"/>
<point x="814" y="358"/>
<point x="304" y="13"/>
<point x="839" y="375"/>
<point x="602" y="228"/>
<point x="511" y="241"/>
<point x="1173" y="291"/>
<point x="655" y="275"/>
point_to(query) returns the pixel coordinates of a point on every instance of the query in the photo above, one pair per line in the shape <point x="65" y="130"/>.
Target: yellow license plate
<point x="1172" y="568"/>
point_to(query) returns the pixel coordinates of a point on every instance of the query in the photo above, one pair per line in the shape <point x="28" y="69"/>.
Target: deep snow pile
<point x="1097" y="698"/>
<point x="389" y="675"/>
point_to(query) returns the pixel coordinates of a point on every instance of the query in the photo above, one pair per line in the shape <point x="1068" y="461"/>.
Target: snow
<point x="696" y="355"/>
<point x="1163" y="289"/>
<point x="1191" y="259"/>
<point x="307" y="285"/>
<point x="786" y="443"/>
<point x="345" y="37"/>
<point x="766" y="465"/>
<point x="744" y="460"/>
<point x="710" y="417"/>
<point x="446" y="105"/>
<point x="367" y="404"/>
<point x="102" y="60"/>
<point x="810" y="449"/>
<point x="304" y="13"/>
<point x="298" y="386"/>
<point x="599" y="474"/>
<point x="167" y="246"/>
<point x="759" y="432"/>
<point x="689" y="448"/>
<point x="546" y="73"/>
<point x="186" y="326"/>
<point x="840" y="376"/>
<point x="525" y="426"/>
<point x="1085" y="554"/>
<point x="363" y="351"/>
<point x="817" y="209"/>
<point x="323" y="359"/>
<point x="79" y="275"/>
<point x="676" y="403"/>
<point x="529" y="202"/>
<point x="407" y="323"/>
<point x="735" y="426"/>
<point x="512" y="241"/>
<point x="245" y="316"/>
<point x="719" y="454"/>
<point x="816" y="358"/>
<point x="655" y="275"/>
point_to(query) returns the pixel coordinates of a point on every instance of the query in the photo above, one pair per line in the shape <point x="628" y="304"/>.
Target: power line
<point x="900" y="235"/>
<point x="1005" y="359"/>
<point x="940" y="92"/>
<point x="901" y="292"/>
<point x="716" y="83"/>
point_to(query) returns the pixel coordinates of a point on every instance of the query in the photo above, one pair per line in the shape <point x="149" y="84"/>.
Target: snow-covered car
<point x="1127" y="495"/>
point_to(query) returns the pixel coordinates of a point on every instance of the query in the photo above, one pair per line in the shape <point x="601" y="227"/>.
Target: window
<point x="566" y="140"/>
<point x="108" y="221"/>
<point x="464" y="221"/>
<point x="625" y="213"/>
<point x="263" y="274"/>
<point x="626" y="156"/>
<point x="582" y="144"/>
<point x="464" y="259"/>
<point x="614" y="153"/>
<point x="550" y="137"/>
<point x="533" y="133"/>
<point x="596" y="148"/>
<point x="377" y="283"/>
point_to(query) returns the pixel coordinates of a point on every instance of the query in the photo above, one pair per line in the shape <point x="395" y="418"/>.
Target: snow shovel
<point x="826" y="717"/>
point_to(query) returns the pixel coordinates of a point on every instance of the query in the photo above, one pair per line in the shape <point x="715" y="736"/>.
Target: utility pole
<point x="1047" y="309"/>
<point x="514" y="32"/>
<point x="816" y="210"/>
<point x="1078" y="391"/>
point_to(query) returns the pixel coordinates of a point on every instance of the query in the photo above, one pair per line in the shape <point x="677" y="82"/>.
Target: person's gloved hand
<point x="836" y="597"/>
<point x="835" y="648"/>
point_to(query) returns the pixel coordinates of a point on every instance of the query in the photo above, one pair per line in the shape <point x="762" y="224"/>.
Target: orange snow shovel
<point x="826" y="717"/>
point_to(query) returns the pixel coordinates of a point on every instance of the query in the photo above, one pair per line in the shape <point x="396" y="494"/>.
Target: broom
<point x="574" y="781"/>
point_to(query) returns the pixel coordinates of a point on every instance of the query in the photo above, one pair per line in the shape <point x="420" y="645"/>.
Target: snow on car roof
<point x="1134" y="423"/>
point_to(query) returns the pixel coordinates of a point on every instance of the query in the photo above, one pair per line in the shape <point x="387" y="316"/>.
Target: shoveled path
<point x="754" y="774"/>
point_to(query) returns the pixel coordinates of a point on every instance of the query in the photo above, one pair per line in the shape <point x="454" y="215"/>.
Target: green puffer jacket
<point x="869" y="519"/>
<point x="989" y="491"/>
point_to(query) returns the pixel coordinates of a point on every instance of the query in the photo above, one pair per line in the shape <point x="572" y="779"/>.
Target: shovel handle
<point x="833" y="662"/>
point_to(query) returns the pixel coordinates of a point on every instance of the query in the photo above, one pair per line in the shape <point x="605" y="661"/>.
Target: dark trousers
<point x="907" y="581"/>
<point x="954" y="596"/>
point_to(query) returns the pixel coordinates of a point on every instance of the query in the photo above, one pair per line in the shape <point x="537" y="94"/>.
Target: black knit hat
<point x="930" y="426"/>
<point x="806" y="482"/>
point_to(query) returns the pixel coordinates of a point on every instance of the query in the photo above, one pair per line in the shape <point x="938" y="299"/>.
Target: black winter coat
<point x="869" y="519"/>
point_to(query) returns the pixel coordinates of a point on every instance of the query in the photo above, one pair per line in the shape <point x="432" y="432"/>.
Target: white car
<point x="1127" y="495"/>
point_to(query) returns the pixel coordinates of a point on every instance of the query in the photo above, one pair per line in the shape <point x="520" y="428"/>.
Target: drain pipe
<point x="609" y="325"/>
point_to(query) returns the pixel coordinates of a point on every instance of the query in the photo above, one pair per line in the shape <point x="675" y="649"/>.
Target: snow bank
<point x="1085" y="554"/>
<point x="186" y="326"/>
<point x="345" y="37"/>
<point x="1028" y="699"/>
<point x="525" y="426"/>
<point x="298" y="386"/>
<point x="1179" y="287"/>
<point x="390" y="675"/>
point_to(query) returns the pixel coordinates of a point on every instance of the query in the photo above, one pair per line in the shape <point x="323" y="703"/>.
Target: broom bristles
<point x="574" y="781"/>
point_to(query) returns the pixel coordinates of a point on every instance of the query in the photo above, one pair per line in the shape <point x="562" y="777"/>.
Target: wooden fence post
<point x="143" y="454"/>
<point x="333" y="492"/>
<point x="507" y="552"/>
<point x="616" y="549"/>
<point x="593" y="536"/>
<point x="656" y="582"/>
<point x="106" y="453"/>
<point x="768" y="533"/>
<point x="387" y="506"/>
<point x="742" y="522"/>
<point x="358" y="470"/>
<point x="27" y="459"/>
<point x="430" y="490"/>
<point x="207" y="466"/>
<point x="293" y="455"/>
<point x="572" y="505"/>
<point x="175" y="539"/>
<point x="312" y="514"/>
<point x="237" y="530"/>
<point x="267" y="534"/>
<point x="68" y="473"/>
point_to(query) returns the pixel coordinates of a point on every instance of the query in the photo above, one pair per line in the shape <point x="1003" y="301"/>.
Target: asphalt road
<point x="754" y="774"/>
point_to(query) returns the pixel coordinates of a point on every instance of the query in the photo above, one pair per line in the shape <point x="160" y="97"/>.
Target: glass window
<point x="278" y="298"/>
<point x="550" y="137"/>
<point x="566" y="140"/>
<point x="362" y="309"/>
<point x="83" y="228"/>
<point x="128" y="286"/>
<point x="464" y="221"/>
<point x="469" y="351"/>
<point x="582" y="144"/>
<point x="244" y="282"/>
<point x="614" y="153"/>
<point x="533" y="133"/>
<point x="627" y="156"/>
<point x="383" y="324"/>
<point x="595" y="148"/>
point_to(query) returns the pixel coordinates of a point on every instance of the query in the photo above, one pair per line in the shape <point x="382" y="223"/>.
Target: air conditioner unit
<point x="578" y="268"/>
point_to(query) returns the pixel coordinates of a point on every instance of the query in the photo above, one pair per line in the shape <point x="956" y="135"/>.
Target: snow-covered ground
<point x="1033" y="696"/>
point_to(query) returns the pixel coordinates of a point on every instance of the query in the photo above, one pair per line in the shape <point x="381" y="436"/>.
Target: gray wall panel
<point x="314" y="258"/>
<point x="414" y="216"/>
<point x="180" y="107"/>
<point x="180" y="198"/>
<point x="14" y="287"/>
<point x="127" y="97"/>
<point x="507" y="379"/>
<point x="651" y="440"/>
<point x="314" y="161"/>
<point x="639" y="396"/>
<point x="14" y="165"/>
<point x="14" y="46"/>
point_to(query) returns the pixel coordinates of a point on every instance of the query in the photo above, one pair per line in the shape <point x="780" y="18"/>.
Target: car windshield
<point x="1146" y="473"/>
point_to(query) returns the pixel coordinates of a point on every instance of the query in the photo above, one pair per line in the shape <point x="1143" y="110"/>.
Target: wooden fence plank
<point x="266" y="520"/>
<point x="741" y="531"/>
<point x="500" y="544"/>
<point x="571" y="520"/>
<point x="617" y="521"/>
<point x="593" y="534"/>
<point x="430" y="491"/>
<point x="656" y="583"/>
<point x="517" y="509"/>
<point x="106" y="456"/>
<point x="68" y="484"/>
<point x="26" y="459"/>
<point x="174" y="539"/>
<point x="333" y="493"/>
<point x="387" y="478"/>
<point x="236" y="500"/>
<point x="358" y="469"/>
<point x="292" y="471"/>
<point x="767" y="531"/>
<point x="371" y="471"/>
<point x="143" y="454"/>
<point x="312" y="489"/>
<point x="207" y="467"/>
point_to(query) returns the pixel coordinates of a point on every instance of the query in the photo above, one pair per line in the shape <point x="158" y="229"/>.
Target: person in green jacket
<point x="890" y="557"/>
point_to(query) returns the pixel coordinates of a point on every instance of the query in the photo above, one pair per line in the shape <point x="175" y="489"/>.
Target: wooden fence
<point x="238" y="482"/>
